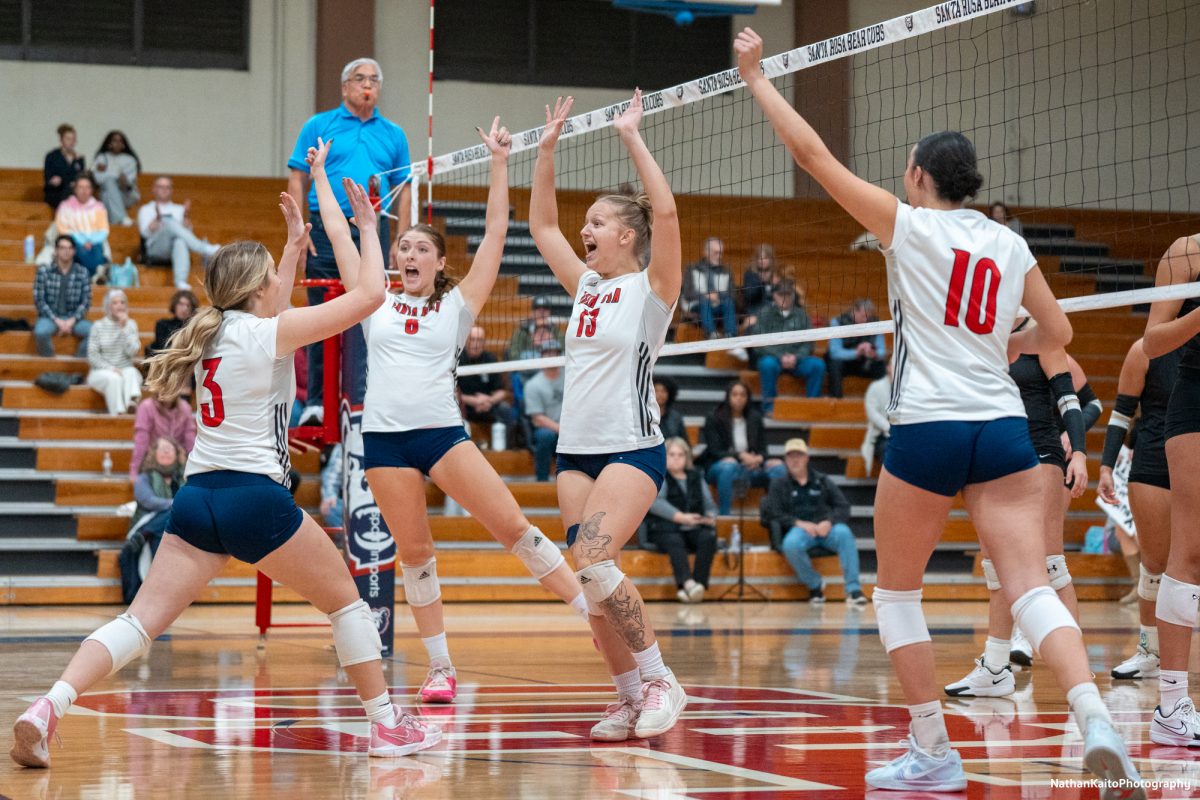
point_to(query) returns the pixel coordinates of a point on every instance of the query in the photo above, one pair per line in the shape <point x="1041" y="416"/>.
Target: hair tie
<point x="218" y="308"/>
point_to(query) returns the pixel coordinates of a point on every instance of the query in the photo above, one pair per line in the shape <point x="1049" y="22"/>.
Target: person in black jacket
<point x="62" y="166"/>
<point x="683" y="518"/>
<point x="671" y="421"/>
<point x="806" y="511"/>
<point x="182" y="306"/>
<point x="736" y="446"/>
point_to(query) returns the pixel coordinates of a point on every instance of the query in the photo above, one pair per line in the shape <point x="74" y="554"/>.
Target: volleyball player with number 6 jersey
<point x="956" y="281"/>
<point x="611" y="460"/>
<point x="412" y="426"/>
<point x="236" y="502"/>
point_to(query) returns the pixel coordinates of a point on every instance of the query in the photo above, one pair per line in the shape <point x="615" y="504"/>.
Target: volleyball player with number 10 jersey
<point x="235" y="502"/>
<point x="956" y="282"/>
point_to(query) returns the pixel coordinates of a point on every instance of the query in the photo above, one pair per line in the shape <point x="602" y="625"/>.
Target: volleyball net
<point x="1082" y="115"/>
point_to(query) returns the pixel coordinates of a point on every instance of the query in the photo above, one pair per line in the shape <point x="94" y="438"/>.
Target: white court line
<point x="809" y="731"/>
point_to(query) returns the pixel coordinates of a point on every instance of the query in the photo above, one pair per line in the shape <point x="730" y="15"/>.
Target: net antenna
<point x="685" y="12"/>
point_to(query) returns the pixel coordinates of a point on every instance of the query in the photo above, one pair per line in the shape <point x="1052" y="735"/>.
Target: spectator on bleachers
<point x="543" y="405"/>
<point x="879" y="395"/>
<point x="670" y="420"/>
<point x="82" y="217"/>
<point x="158" y="417"/>
<point x="112" y="345"/>
<point x="485" y="397"/>
<point x="794" y="359"/>
<point x="116" y="168"/>
<point x="522" y="344"/>
<point x="758" y="283"/>
<point x="864" y="356"/>
<point x="708" y="290"/>
<point x="181" y="308"/>
<point x="166" y="231"/>
<point x="810" y="513"/>
<point x="735" y="446"/>
<point x="62" y="166"/>
<point x="331" y="487"/>
<point x="683" y="519"/>
<point x="158" y="478"/>
<point x="998" y="211"/>
<point x="62" y="295"/>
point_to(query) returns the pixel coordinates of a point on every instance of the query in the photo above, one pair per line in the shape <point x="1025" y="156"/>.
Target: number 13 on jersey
<point x="587" y="323"/>
<point x="981" y="311"/>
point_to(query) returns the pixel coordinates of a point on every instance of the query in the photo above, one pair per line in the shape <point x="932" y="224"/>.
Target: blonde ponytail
<point x="171" y="368"/>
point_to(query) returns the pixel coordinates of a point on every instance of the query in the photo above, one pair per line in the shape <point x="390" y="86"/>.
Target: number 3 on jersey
<point x="212" y="413"/>
<point x="587" y="323"/>
<point x="981" y="312"/>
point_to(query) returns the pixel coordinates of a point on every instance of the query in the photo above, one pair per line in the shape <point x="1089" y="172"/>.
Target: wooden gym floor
<point x="787" y="701"/>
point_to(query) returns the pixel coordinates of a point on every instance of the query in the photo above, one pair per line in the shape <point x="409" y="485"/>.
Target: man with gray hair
<point x="364" y="144"/>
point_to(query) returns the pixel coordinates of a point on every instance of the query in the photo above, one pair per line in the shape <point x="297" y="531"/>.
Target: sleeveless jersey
<point x="617" y="327"/>
<point x="244" y="396"/>
<point x="1156" y="394"/>
<point x="955" y="282"/>
<point x="1190" y="351"/>
<point x="412" y="356"/>
<point x="1045" y="423"/>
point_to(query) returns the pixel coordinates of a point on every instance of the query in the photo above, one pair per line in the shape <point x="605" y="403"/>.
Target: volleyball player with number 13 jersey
<point x="956" y="282"/>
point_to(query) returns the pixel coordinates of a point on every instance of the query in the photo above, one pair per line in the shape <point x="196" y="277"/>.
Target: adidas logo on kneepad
<point x="423" y="575"/>
<point x="584" y="579"/>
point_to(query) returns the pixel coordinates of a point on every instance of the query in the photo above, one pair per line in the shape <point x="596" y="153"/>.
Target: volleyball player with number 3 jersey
<point x="611" y="460"/>
<point x="1172" y="325"/>
<point x="956" y="282"/>
<point x="412" y="426"/>
<point x="235" y="502"/>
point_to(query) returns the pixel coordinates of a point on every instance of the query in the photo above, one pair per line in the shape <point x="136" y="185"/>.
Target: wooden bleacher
<point x="52" y="446"/>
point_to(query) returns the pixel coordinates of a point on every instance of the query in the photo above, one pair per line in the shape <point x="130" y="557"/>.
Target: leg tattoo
<point x="592" y="546"/>
<point x="623" y="610"/>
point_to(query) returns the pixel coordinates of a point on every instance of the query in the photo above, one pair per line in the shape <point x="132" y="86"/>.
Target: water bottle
<point x="29" y="249"/>
<point x="499" y="436"/>
<point x="106" y="464"/>
<point x="735" y="539"/>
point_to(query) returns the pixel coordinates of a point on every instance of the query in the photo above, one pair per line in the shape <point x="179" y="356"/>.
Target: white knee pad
<point x="541" y="556"/>
<point x="901" y="621"/>
<point x="421" y="587"/>
<point x="124" y="638"/>
<point x="599" y="581"/>
<point x="1039" y="612"/>
<point x="1148" y="584"/>
<point x="1056" y="571"/>
<point x="991" y="576"/>
<point x="355" y="634"/>
<point x="1178" y="602"/>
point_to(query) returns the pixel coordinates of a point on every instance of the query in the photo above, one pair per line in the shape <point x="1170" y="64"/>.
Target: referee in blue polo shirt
<point x="364" y="143"/>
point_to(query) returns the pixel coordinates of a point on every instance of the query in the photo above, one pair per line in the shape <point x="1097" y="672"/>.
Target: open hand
<point x="297" y="228"/>
<point x="498" y="140"/>
<point x="748" y="46"/>
<point x="360" y="203"/>
<point x="631" y="117"/>
<point x="554" y="122"/>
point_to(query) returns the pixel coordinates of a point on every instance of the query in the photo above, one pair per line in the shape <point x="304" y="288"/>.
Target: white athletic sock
<point x="1149" y="638"/>
<point x="929" y="728"/>
<point x="995" y="653"/>
<point x="1172" y="687"/>
<point x="651" y="664"/>
<point x="380" y="709"/>
<point x="439" y="652"/>
<point x="629" y="685"/>
<point x="579" y="603"/>
<point x="1086" y="704"/>
<point x="61" y="696"/>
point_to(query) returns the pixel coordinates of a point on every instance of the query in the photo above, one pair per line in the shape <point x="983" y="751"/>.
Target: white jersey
<point x="244" y="397"/>
<point x="412" y="357"/>
<point x="617" y="328"/>
<point x="955" y="282"/>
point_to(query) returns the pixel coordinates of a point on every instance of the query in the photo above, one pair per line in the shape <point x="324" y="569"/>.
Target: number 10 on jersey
<point x="981" y="311"/>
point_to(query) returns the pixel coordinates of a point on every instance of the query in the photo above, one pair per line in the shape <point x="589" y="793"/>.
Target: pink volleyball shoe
<point x="409" y="735"/>
<point x="32" y="733"/>
<point x="440" y="686"/>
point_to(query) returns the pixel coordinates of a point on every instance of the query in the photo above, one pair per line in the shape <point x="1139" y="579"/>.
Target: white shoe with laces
<point x="663" y="700"/>
<point x="1179" y="727"/>
<point x="919" y="771"/>
<point x="983" y="681"/>
<point x="1142" y="664"/>
<point x="618" y="723"/>
<point x="1105" y="757"/>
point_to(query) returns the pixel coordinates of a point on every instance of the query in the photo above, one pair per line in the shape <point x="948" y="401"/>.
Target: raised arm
<point x="336" y="227"/>
<point x="294" y="251"/>
<point x="666" y="254"/>
<point x="481" y="277"/>
<point x="873" y="207"/>
<point x="1165" y="329"/>
<point x="543" y="205"/>
<point x="308" y="324"/>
